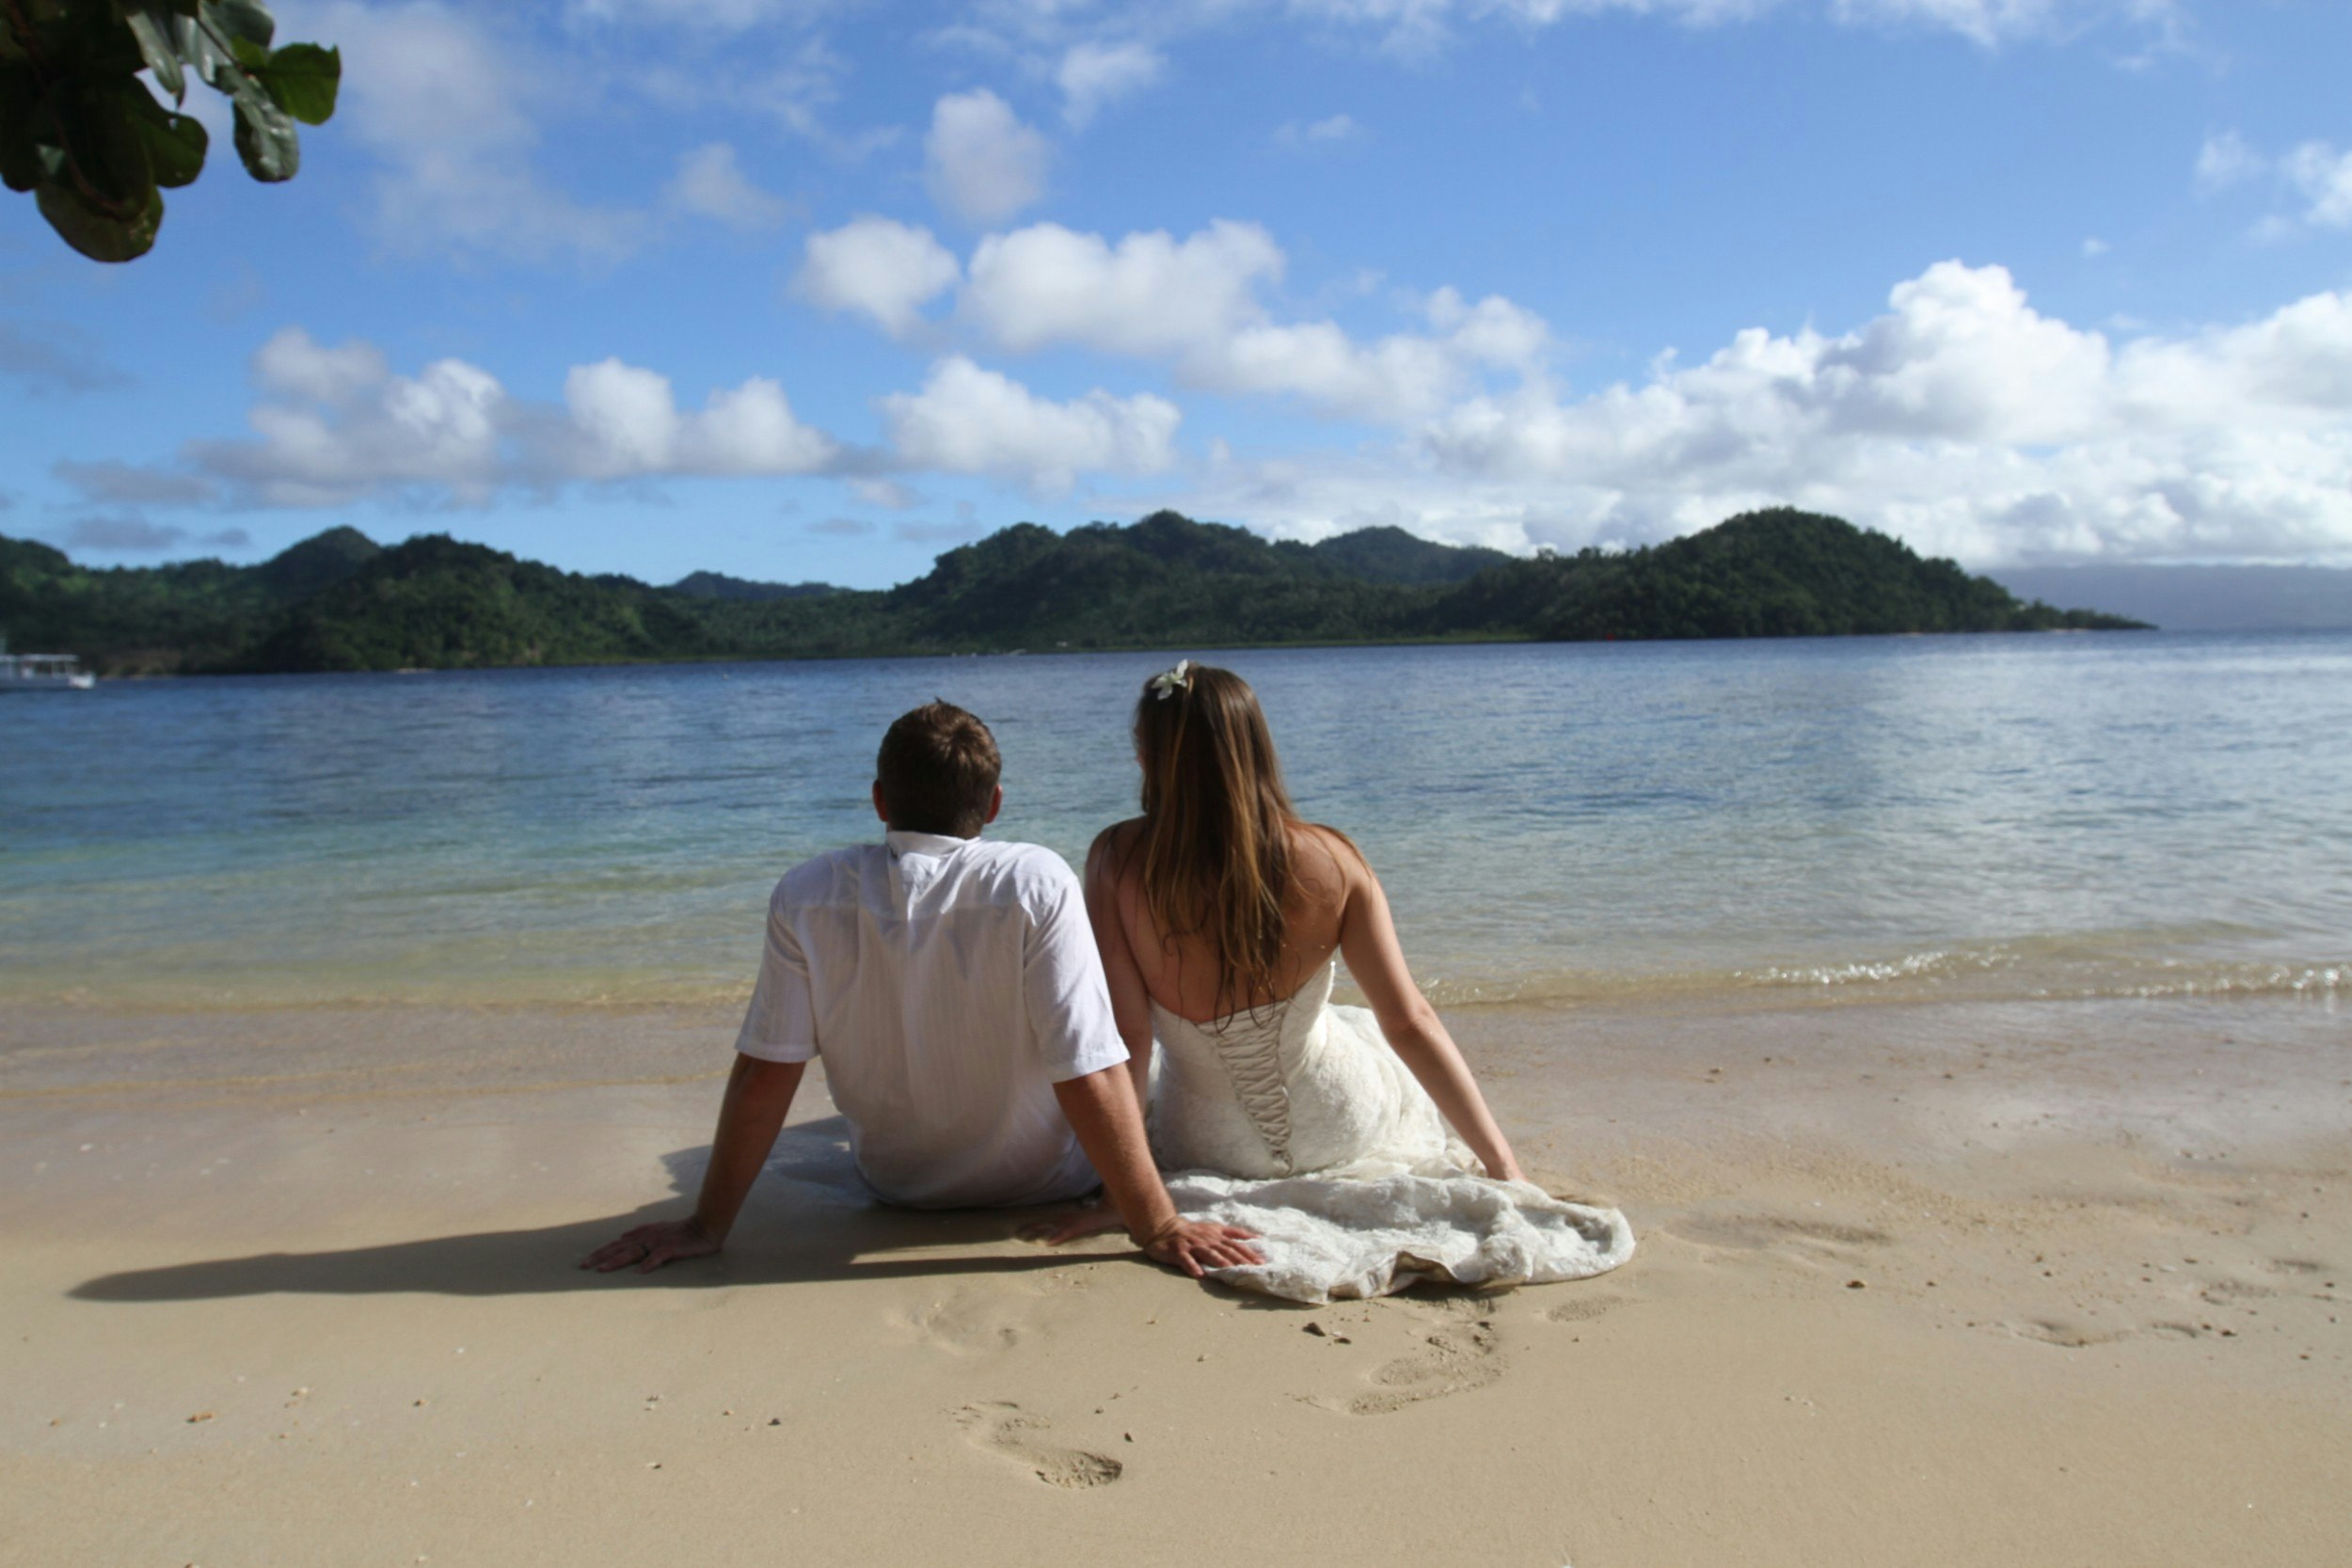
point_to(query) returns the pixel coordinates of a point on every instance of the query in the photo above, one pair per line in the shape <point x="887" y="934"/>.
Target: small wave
<point x="2043" y="972"/>
<point x="2041" y="969"/>
<point x="1913" y="966"/>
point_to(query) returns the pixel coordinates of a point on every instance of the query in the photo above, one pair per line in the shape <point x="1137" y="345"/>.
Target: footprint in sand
<point x="1755" y="1232"/>
<point x="1583" y="1309"/>
<point x="2235" y="1292"/>
<point x="1456" y="1358"/>
<point x="1006" y="1429"/>
<point x="968" y="1322"/>
<point x="2068" y="1335"/>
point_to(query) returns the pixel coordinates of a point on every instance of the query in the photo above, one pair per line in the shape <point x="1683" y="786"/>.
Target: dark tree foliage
<point x="80" y="130"/>
<point x="1392" y="555"/>
<point x="434" y="603"/>
<point x="718" y="585"/>
<point x="1781" y="573"/>
<point x="192" y="616"/>
<point x="336" y="602"/>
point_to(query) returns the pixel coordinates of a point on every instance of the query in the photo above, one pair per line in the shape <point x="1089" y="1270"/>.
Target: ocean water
<point x="2121" y="814"/>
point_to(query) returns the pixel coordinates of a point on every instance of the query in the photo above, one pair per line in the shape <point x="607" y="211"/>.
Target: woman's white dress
<point x="1297" y="1121"/>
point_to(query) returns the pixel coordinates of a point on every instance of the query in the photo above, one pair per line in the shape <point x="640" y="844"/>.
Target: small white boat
<point x="43" y="672"/>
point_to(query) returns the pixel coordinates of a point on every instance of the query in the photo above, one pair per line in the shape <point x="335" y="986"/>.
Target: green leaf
<point x="245" y="19"/>
<point x="301" y="79"/>
<point x="176" y="144"/>
<point x="101" y="236"/>
<point x="150" y="24"/>
<point x="266" y="139"/>
<point x="20" y="151"/>
<point x="106" y="157"/>
<point x="204" y="56"/>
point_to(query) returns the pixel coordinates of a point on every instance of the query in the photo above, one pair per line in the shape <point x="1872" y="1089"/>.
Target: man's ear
<point x="996" y="804"/>
<point x="880" y="809"/>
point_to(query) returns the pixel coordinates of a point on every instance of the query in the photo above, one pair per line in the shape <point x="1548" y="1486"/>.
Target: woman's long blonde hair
<point x="1215" y="854"/>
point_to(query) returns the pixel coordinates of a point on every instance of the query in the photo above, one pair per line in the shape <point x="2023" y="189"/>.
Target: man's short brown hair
<point x="938" y="771"/>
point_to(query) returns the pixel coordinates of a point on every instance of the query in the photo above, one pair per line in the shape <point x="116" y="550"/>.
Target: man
<point x="954" y="989"/>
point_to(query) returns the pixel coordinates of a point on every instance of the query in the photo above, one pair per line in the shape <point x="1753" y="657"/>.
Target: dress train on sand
<point x="1297" y="1121"/>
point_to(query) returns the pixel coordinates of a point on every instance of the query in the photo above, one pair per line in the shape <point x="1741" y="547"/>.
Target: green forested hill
<point x="1393" y="555"/>
<point x="196" y="614"/>
<point x="337" y="602"/>
<point x="1764" y="574"/>
<point x="434" y="603"/>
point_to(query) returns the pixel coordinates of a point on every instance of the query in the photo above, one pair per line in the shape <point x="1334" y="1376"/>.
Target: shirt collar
<point x="902" y="842"/>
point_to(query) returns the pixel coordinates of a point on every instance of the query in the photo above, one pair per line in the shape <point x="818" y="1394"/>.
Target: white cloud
<point x="710" y="183"/>
<point x="1333" y="128"/>
<point x="1093" y="76"/>
<point x="1194" y="303"/>
<point x="446" y="110"/>
<point x="53" y="357"/>
<point x="878" y="268"/>
<point x="440" y="429"/>
<point x="1962" y="420"/>
<point x="968" y="420"/>
<point x="1392" y="380"/>
<point x="627" y="421"/>
<point x="887" y="492"/>
<point x="108" y="483"/>
<point x="750" y="429"/>
<point x="1149" y="294"/>
<point x="2314" y="175"/>
<point x="2324" y="178"/>
<point x="2095" y="247"/>
<point x="1415" y="25"/>
<point x="336" y="425"/>
<point x="2226" y="160"/>
<point x="297" y="365"/>
<point x="980" y="162"/>
<point x="718" y="16"/>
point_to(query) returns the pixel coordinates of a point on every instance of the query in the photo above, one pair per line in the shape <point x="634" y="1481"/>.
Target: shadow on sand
<point x="810" y="1218"/>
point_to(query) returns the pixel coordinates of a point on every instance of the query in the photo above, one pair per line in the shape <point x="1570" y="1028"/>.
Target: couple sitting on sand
<point x="988" y="1029"/>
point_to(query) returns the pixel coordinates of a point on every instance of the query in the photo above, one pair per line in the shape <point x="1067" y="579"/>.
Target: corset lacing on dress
<point x="1250" y="1048"/>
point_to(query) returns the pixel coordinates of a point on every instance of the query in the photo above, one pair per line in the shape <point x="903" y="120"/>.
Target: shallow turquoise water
<point x="2133" y="814"/>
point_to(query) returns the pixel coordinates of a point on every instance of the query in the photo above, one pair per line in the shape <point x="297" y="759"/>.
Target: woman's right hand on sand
<point x="1197" y="1246"/>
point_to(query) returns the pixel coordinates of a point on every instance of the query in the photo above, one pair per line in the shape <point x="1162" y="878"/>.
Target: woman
<point x="1220" y="915"/>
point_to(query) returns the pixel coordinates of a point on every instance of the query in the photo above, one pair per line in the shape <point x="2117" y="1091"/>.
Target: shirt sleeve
<point x="1069" y="1000"/>
<point x="781" y="1023"/>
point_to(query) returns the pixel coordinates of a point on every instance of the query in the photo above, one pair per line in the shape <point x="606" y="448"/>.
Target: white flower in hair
<point x="1168" y="683"/>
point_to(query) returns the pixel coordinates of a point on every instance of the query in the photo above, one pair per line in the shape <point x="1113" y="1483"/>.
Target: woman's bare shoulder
<point x="1108" y="856"/>
<point x="1327" y="853"/>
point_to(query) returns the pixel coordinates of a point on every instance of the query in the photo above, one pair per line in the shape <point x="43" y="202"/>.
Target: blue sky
<point x="802" y="289"/>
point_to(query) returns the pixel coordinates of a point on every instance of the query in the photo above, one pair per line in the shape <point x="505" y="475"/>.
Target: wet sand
<point x="2019" y="1283"/>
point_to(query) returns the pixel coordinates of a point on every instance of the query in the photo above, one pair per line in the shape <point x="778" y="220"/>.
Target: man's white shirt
<point x="949" y="983"/>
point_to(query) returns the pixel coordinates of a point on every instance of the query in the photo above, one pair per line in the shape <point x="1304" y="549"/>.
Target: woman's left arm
<point x="1376" y="961"/>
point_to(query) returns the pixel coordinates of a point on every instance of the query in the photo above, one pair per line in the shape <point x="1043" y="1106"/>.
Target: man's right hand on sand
<point x="649" y="1246"/>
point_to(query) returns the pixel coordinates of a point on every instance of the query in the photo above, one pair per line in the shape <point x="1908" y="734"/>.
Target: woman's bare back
<point x="1180" y="972"/>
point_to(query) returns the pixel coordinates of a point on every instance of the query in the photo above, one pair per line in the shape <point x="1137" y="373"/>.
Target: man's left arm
<point x="778" y="1037"/>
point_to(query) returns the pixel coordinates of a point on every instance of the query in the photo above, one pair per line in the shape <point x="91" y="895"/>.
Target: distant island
<point x="339" y="601"/>
<point x="2200" y="597"/>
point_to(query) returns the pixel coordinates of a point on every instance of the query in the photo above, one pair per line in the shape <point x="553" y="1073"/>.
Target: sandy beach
<point x="2021" y="1284"/>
